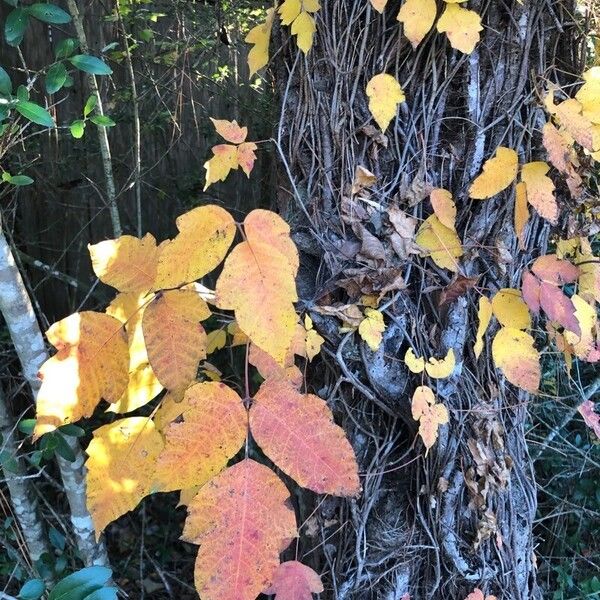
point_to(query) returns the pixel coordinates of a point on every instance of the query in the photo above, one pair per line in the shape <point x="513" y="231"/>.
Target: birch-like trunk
<point x="16" y="308"/>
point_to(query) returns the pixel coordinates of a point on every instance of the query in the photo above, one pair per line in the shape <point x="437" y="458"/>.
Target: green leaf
<point x="26" y="426"/>
<point x="35" y="113"/>
<point x="77" y="128"/>
<point x="90" y="64"/>
<point x="22" y="93"/>
<point x="90" y="105"/>
<point x="81" y="584"/>
<point x="32" y="590"/>
<point x="8" y="462"/>
<point x="68" y="81"/>
<point x="109" y="593"/>
<point x="63" y="449"/>
<point x="49" y="13"/>
<point x="55" y="78"/>
<point x="146" y="35"/>
<point x="15" y="26"/>
<point x="20" y="180"/>
<point x="5" y="83"/>
<point x="57" y="539"/>
<point x="12" y="2"/>
<point x="72" y="430"/>
<point x="102" y="121"/>
<point x="65" y="48"/>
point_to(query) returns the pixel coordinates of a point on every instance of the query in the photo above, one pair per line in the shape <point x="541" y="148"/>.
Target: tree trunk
<point x="433" y="525"/>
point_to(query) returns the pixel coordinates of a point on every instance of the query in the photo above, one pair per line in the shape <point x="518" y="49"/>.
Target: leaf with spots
<point x="295" y="581"/>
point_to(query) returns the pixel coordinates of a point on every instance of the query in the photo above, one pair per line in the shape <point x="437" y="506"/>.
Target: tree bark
<point x="433" y="525"/>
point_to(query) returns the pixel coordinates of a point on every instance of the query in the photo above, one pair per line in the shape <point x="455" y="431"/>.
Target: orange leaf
<point x="213" y="430"/>
<point x="477" y="594"/>
<point x="91" y="363"/>
<point x="540" y="190"/>
<point x="246" y="156"/>
<point x="295" y="581"/>
<point x="120" y="468"/>
<point x="558" y="307"/>
<point x="269" y="368"/>
<point x="297" y="432"/>
<point x="230" y="130"/>
<point x="205" y="235"/>
<point x="521" y="212"/>
<point x="515" y="355"/>
<point x="569" y="113"/>
<point x="127" y="263"/>
<point x="498" y="173"/>
<point x="379" y="5"/>
<point x="444" y="207"/>
<point x="242" y="521"/>
<point x="175" y="340"/>
<point x="429" y="414"/>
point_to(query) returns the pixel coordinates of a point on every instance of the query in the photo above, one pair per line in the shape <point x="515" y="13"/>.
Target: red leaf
<point x="551" y="269"/>
<point x="531" y="292"/>
<point x="559" y="307"/>
<point x="295" y="581"/>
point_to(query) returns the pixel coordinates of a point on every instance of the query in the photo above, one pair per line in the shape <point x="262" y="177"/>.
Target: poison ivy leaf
<point x="205" y="234"/>
<point x="498" y="173"/>
<point x="246" y="156"/>
<point x="440" y="243"/>
<point x="588" y="95"/>
<point x="521" y="213"/>
<point x="269" y="368"/>
<point x="242" y="521"/>
<point x="304" y="29"/>
<point x="434" y="367"/>
<point x="540" y="190"/>
<point x="213" y="429"/>
<point x="35" y="113"/>
<point x="515" y="355"/>
<point x="590" y="416"/>
<point x="569" y="114"/>
<point x="55" y="78"/>
<point x="531" y="292"/>
<point x="215" y="340"/>
<point x="510" y="310"/>
<point x="429" y="414"/>
<point x="551" y="269"/>
<point x="296" y="431"/>
<point x="295" y="581"/>
<point x="49" y="13"/>
<point x="589" y="273"/>
<point x="371" y="328"/>
<point x="265" y="311"/>
<point x="230" y="130"/>
<point x="224" y="160"/>
<point x="562" y="155"/>
<point x="120" y="468"/>
<point x="260" y="36"/>
<point x="484" y="316"/>
<point x="15" y="26"/>
<point x="443" y="207"/>
<point x="91" y="363"/>
<point x="558" y="307"/>
<point x="477" y="594"/>
<point x="379" y="5"/>
<point x="461" y="26"/>
<point x="175" y="340"/>
<point x="90" y="64"/>
<point x="313" y="340"/>
<point x="384" y="94"/>
<point x="289" y="11"/>
<point x="5" y="88"/>
<point x="586" y="343"/>
<point x="417" y="16"/>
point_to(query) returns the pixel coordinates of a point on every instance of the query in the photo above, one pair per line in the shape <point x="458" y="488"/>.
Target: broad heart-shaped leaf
<point x="91" y="363"/>
<point x="214" y="428"/>
<point x="462" y="27"/>
<point x="296" y="431"/>
<point x="439" y="242"/>
<point x="175" y="340"/>
<point x="384" y="94"/>
<point x="484" y="315"/>
<point x="122" y="456"/>
<point x="417" y="17"/>
<point x="429" y="414"/>
<point x="295" y="581"/>
<point x="508" y="307"/>
<point x="515" y="355"/>
<point x="540" y="190"/>
<point x="127" y="263"/>
<point x="498" y="173"/>
<point x="205" y="235"/>
<point x="242" y="520"/>
<point x="260" y="36"/>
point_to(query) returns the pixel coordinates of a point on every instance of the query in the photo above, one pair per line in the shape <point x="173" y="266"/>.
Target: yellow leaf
<point x="498" y="173"/>
<point x="304" y="29"/>
<point x="418" y="17"/>
<point x="379" y="5"/>
<point x="589" y="95"/>
<point x="444" y="207"/>
<point x="175" y="340"/>
<point x="120" y="468"/>
<point x="215" y="340"/>
<point x="371" y="328"/>
<point x="510" y="309"/>
<point x="260" y="36"/>
<point x="213" y="429"/>
<point x="313" y="340"/>
<point x="172" y="406"/>
<point x="289" y="10"/>
<point x="205" y="234"/>
<point x="515" y="355"/>
<point x="246" y="156"/>
<point x="224" y="159"/>
<point x="484" y="316"/>
<point x="239" y="338"/>
<point x="439" y="242"/>
<point x="415" y="364"/>
<point x="230" y="130"/>
<point x="384" y="94"/>
<point x="569" y="113"/>
<point x="586" y="346"/>
<point x="540" y="190"/>
<point x="186" y="496"/>
<point x="311" y="6"/>
<point x="462" y="27"/>
<point x="521" y="212"/>
<point x="429" y="414"/>
<point x="143" y="386"/>
<point x="434" y="367"/>
<point x="127" y="263"/>
<point x="589" y="273"/>
<point x="91" y="364"/>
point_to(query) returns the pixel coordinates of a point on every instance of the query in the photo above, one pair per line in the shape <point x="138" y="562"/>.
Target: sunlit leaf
<point x="515" y="355"/>
<point x="498" y="173"/>
<point x="384" y="94"/>
<point x="429" y="414"/>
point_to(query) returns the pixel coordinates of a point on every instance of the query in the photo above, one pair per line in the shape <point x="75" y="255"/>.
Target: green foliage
<point x="90" y="64"/>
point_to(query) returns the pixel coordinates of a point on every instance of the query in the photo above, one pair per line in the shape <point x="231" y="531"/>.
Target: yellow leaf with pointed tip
<point x="205" y="235"/>
<point x="439" y="242"/>
<point x="91" y="364"/>
<point x="304" y="29"/>
<point x="540" y="190"/>
<point x="120" y="468"/>
<point x="371" y="328"/>
<point x="230" y="130"/>
<point x="384" y="94"/>
<point x="444" y="207"/>
<point x="510" y="309"/>
<point x="589" y="95"/>
<point x="515" y="355"/>
<point x="127" y="263"/>
<point x="498" y="173"/>
<point x="246" y="156"/>
<point x="521" y="212"/>
<point x="429" y="414"/>
<point x="260" y="36"/>
<point x="570" y="114"/>
<point x="415" y="364"/>
<point x="462" y="27"/>
<point x="484" y="315"/>
<point x="440" y="368"/>
<point x="215" y="340"/>
<point x="143" y="386"/>
<point x="586" y="346"/>
<point x="311" y="6"/>
<point x="224" y="159"/>
<point x="417" y="16"/>
<point x="289" y="10"/>
<point x="379" y="5"/>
